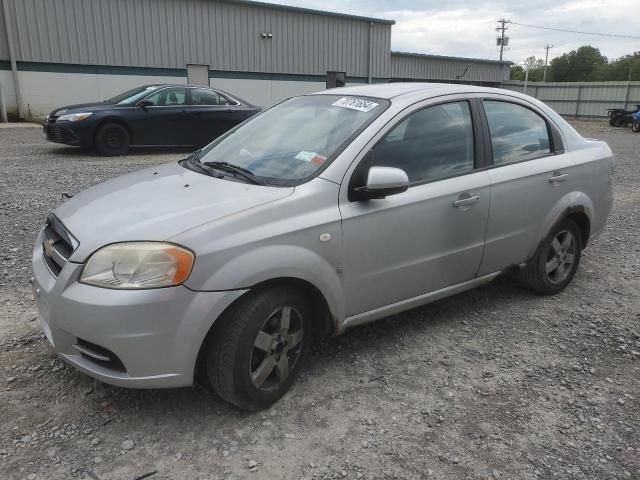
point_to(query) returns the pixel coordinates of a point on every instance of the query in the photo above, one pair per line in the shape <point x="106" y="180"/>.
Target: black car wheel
<point x="253" y="358"/>
<point x="620" y="122"/>
<point x="113" y="139"/>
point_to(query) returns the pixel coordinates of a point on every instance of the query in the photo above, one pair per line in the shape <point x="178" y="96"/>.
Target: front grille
<point x="57" y="245"/>
<point x="56" y="134"/>
<point x="99" y="355"/>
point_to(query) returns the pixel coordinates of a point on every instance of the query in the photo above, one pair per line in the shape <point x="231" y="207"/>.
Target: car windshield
<point x="292" y="140"/>
<point x="133" y="95"/>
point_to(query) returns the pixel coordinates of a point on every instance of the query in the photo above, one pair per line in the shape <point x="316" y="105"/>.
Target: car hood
<point x="84" y="107"/>
<point x="155" y="204"/>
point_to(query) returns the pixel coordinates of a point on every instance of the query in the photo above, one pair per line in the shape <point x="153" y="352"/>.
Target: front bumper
<point x="155" y="335"/>
<point x="68" y="133"/>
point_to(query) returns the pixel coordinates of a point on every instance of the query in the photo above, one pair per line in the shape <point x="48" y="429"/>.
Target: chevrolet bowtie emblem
<point x="48" y="247"/>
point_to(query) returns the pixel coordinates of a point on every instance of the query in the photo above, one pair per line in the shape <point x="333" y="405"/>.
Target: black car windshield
<point x="133" y="95"/>
<point x="292" y="140"/>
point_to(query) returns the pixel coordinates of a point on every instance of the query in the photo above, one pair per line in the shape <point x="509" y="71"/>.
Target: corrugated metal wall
<point x="4" y="47"/>
<point x="430" y="67"/>
<point x="582" y="99"/>
<point x="171" y="33"/>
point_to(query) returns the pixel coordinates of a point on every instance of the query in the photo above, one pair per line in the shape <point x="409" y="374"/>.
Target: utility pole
<point x="546" y="60"/>
<point x="502" y="40"/>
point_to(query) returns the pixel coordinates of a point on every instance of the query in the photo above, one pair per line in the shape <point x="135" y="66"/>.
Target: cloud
<point x="467" y="29"/>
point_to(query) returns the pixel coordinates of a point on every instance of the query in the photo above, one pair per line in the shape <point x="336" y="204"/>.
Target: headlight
<point x="138" y="265"/>
<point x="75" y="117"/>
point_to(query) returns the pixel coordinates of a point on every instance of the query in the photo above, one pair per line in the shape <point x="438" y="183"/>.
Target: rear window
<point x="517" y="133"/>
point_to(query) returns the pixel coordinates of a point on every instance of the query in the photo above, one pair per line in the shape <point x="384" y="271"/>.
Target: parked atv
<point x="619" y="117"/>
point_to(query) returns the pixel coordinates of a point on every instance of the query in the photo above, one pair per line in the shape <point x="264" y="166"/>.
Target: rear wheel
<point x="113" y="139"/>
<point x="635" y="127"/>
<point x="620" y="122"/>
<point x="254" y="357"/>
<point x="556" y="261"/>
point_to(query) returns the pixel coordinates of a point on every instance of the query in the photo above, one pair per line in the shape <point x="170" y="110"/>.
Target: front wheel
<point x="253" y="358"/>
<point x="112" y="139"/>
<point x="635" y="127"/>
<point x="556" y="261"/>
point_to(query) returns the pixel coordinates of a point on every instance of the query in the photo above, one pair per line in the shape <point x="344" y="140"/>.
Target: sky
<point x="466" y="28"/>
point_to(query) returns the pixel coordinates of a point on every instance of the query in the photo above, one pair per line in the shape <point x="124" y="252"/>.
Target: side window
<point x="203" y="96"/>
<point x="168" y="97"/>
<point x="517" y="133"/>
<point x="432" y="143"/>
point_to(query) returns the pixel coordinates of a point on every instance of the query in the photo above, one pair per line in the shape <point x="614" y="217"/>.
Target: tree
<point x="619" y="69"/>
<point x="536" y="70"/>
<point x="579" y="65"/>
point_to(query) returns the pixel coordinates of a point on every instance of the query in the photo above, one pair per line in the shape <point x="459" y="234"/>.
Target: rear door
<point x="212" y="114"/>
<point x="530" y="174"/>
<point x="165" y="122"/>
<point x="430" y="236"/>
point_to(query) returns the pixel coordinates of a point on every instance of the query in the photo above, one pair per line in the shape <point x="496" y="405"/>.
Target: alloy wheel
<point x="276" y="349"/>
<point x="560" y="257"/>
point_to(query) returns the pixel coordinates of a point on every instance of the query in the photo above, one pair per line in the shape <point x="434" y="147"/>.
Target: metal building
<point x="70" y="51"/>
<point x="418" y="67"/>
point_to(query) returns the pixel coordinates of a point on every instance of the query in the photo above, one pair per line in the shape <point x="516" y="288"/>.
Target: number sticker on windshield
<point x="359" y="104"/>
<point x="311" y="157"/>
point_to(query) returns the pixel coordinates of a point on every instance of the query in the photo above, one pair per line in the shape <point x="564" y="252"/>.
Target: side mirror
<point x="384" y="181"/>
<point x="145" y="103"/>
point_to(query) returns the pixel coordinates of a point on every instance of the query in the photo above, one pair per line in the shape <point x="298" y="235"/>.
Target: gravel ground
<point x="492" y="383"/>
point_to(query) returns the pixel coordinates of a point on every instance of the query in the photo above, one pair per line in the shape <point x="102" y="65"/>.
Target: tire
<point x="252" y="359"/>
<point x="553" y="266"/>
<point x="620" y="122"/>
<point x="112" y="139"/>
<point x="635" y="127"/>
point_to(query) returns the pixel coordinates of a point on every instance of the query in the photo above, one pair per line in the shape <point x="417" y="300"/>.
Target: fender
<point x="281" y="261"/>
<point x="571" y="202"/>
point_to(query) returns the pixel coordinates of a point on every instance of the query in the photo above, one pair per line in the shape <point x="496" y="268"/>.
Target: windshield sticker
<point x="305" y="156"/>
<point x="311" y="157"/>
<point x="359" y="104"/>
<point x="318" y="160"/>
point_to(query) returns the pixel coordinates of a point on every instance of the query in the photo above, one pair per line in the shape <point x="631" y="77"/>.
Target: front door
<point x="430" y="236"/>
<point x="165" y="122"/>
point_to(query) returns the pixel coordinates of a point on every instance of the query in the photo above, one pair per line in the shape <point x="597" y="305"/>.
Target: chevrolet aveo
<point x="324" y="212"/>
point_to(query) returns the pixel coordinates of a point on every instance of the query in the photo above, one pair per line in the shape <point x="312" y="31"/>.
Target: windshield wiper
<point x="239" y="171"/>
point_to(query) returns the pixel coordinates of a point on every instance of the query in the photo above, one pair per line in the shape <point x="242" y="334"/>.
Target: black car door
<point x="213" y="114"/>
<point x="163" y="119"/>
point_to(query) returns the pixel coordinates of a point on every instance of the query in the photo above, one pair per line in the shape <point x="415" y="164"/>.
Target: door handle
<point x="558" y="177"/>
<point x="466" y="201"/>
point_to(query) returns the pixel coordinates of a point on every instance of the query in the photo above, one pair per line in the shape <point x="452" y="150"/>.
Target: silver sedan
<point x="324" y="212"/>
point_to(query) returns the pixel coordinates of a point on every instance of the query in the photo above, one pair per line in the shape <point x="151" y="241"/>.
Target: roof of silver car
<point x="392" y="90"/>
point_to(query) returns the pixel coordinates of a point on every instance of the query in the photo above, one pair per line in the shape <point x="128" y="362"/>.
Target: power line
<point x="635" y="37"/>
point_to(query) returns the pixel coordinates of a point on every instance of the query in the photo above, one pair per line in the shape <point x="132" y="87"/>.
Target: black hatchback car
<point x="149" y="115"/>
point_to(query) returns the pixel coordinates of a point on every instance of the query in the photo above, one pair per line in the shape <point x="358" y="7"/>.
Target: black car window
<point x="517" y="133"/>
<point x="432" y="143"/>
<point x="203" y="96"/>
<point x="168" y="97"/>
<point x="132" y="96"/>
